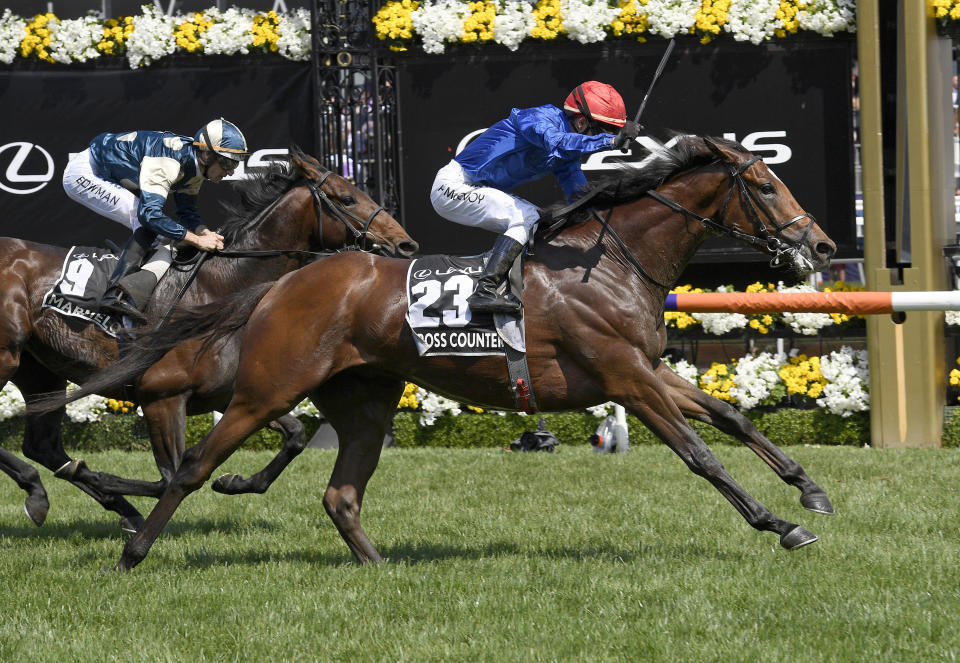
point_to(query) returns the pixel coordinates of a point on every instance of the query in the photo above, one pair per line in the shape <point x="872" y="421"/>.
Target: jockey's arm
<point x="157" y="175"/>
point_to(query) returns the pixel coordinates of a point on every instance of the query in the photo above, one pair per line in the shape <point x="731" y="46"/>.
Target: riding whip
<point x="656" y="75"/>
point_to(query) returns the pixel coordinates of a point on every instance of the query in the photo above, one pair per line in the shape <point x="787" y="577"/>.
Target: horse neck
<point x="661" y="240"/>
<point x="280" y="226"/>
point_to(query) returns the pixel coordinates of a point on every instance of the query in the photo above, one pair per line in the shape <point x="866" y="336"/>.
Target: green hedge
<point x="783" y="428"/>
<point x="129" y="433"/>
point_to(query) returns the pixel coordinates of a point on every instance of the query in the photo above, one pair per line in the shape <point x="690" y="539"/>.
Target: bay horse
<point x="594" y="292"/>
<point x="286" y="217"/>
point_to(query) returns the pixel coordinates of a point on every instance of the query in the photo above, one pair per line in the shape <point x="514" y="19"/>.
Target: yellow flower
<point x="393" y="22"/>
<point x="631" y="21"/>
<point x="409" y="398"/>
<point x="548" y="14"/>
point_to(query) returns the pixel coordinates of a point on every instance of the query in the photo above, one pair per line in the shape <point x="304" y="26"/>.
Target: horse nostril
<point x="407" y="248"/>
<point x="826" y="249"/>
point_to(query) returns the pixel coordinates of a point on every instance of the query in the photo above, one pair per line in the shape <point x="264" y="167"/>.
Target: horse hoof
<point x="131" y="524"/>
<point x="69" y="469"/>
<point x="224" y="484"/>
<point x="817" y="502"/>
<point x="797" y="538"/>
<point x="36" y="507"/>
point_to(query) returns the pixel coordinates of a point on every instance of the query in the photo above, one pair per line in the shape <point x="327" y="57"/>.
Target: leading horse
<point x="593" y="305"/>
<point x="286" y="217"/>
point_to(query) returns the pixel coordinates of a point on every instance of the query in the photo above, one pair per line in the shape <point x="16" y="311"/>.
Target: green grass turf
<point x="498" y="556"/>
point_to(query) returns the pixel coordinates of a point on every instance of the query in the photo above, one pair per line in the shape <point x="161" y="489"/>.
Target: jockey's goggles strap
<point x="581" y="101"/>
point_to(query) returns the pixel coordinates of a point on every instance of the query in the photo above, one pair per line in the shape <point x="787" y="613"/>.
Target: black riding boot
<point x="485" y="298"/>
<point x="115" y="299"/>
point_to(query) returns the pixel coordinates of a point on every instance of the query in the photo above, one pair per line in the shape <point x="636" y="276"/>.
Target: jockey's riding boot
<point x="485" y="298"/>
<point x="113" y="300"/>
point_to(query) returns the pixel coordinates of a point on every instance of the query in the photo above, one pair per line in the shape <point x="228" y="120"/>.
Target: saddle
<point x="83" y="279"/>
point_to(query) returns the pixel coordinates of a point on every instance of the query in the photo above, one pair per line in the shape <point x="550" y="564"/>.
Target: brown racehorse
<point x="296" y="213"/>
<point x="335" y="332"/>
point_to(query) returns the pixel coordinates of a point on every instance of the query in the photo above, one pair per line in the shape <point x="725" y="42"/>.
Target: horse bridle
<point x="752" y="208"/>
<point x="320" y="198"/>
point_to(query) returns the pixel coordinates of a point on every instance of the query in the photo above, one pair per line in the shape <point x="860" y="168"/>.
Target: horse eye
<point x="768" y="189"/>
<point x="348" y="200"/>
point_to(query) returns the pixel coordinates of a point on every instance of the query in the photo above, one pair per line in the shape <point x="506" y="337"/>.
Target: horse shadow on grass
<point x="109" y="529"/>
<point x="429" y="553"/>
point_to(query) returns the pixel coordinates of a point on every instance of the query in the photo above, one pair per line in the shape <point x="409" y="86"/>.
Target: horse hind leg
<point x="653" y="405"/>
<point x="696" y="404"/>
<point x="360" y="409"/>
<point x="294" y="442"/>
<point x="43" y="442"/>
<point x="26" y="476"/>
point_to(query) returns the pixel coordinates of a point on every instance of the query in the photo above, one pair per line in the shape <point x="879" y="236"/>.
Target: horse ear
<point x="713" y="147"/>
<point x="305" y="164"/>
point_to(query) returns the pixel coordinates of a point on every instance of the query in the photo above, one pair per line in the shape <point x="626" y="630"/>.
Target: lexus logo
<point x="12" y="177"/>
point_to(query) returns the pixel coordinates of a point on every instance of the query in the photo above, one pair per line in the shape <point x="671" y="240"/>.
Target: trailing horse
<point x="286" y="218"/>
<point x="335" y="332"/>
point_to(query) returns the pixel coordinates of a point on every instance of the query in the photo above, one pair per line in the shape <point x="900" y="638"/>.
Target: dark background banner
<point x="59" y="111"/>
<point x="789" y="102"/>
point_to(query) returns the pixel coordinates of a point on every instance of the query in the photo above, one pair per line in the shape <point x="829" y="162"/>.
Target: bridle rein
<point x="752" y="208"/>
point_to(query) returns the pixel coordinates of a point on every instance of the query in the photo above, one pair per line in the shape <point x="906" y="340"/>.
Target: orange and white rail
<point x="851" y="303"/>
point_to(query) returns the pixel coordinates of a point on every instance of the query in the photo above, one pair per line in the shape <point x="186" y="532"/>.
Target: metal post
<point x="907" y="375"/>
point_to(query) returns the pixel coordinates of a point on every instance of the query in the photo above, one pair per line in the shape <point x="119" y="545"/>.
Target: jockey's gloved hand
<point x="628" y="132"/>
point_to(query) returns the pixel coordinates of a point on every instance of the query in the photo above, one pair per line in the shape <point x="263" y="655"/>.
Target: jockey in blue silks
<point x="127" y="177"/>
<point x="523" y="147"/>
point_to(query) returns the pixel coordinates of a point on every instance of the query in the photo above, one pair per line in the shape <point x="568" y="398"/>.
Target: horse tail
<point x="211" y="321"/>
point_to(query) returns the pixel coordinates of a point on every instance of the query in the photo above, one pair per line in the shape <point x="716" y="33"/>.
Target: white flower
<point x="513" y="23"/>
<point x="755" y="378"/>
<point x="753" y="20"/>
<point x="668" y="18"/>
<point x="231" y="32"/>
<point x="293" y="32"/>
<point x="848" y="380"/>
<point x="808" y="324"/>
<point x="721" y="323"/>
<point x="827" y="17"/>
<point x="11" y="402"/>
<point x="600" y="411"/>
<point x="439" y="22"/>
<point x="12" y="29"/>
<point x="75" y="40"/>
<point x="306" y="408"/>
<point x="152" y="37"/>
<point x="952" y="317"/>
<point x="585" y="20"/>
<point x="684" y="369"/>
<point x="433" y="406"/>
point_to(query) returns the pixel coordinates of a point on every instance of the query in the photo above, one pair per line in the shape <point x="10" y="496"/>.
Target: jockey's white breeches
<point x="104" y="197"/>
<point x="456" y="198"/>
<point x="112" y="201"/>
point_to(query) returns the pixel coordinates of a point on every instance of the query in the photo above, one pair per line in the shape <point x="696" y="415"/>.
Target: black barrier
<point x="788" y="101"/>
<point x="51" y="112"/>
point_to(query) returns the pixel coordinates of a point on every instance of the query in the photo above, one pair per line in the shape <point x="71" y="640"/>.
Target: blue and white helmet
<point x="222" y="137"/>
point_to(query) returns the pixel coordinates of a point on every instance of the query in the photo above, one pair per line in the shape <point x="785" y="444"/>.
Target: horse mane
<point x="629" y="182"/>
<point x="256" y="192"/>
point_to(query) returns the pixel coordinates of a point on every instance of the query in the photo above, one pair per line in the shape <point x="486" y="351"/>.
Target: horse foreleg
<point x="294" y="441"/>
<point x="696" y="404"/>
<point x="651" y="402"/>
<point x="360" y="409"/>
<point x="36" y="505"/>
<point x="239" y="421"/>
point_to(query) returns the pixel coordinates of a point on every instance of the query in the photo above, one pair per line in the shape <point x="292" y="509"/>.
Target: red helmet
<point x="598" y="102"/>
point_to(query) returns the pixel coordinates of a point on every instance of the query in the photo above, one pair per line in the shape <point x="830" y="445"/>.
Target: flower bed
<point x="434" y="25"/>
<point x="144" y="38"/>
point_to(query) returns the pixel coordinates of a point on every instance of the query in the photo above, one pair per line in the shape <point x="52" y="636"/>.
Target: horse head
<point x="767" y="215"/>
<point x="342" y="210"/>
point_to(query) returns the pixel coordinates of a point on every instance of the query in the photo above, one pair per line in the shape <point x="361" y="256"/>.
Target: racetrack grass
<point x="499" y="556"/>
